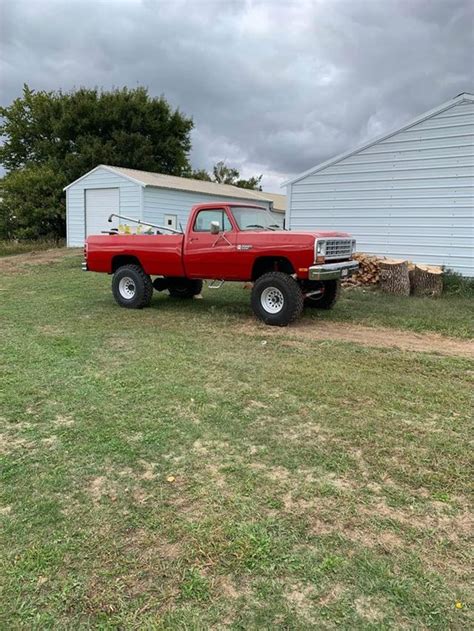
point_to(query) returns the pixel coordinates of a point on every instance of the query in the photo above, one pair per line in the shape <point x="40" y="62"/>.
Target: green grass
<point x="181" y="468"/>
<point x="11" y="247"/>
<point x="451" y="315"/>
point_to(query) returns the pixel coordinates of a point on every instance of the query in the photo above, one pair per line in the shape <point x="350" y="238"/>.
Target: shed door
<point x="100" y="203"/>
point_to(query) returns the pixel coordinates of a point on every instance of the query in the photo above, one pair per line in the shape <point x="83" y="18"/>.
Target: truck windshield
<point x="254" y="218"/>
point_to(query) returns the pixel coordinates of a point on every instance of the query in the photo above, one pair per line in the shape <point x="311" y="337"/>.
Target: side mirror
<point x="215" y="227"/>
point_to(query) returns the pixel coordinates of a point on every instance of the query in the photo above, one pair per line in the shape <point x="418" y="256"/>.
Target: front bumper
<point x="330" y="271"/>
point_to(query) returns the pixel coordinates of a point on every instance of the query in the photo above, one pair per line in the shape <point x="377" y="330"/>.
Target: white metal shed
<point x="161" y="199"/>
<point x="408" y="194"/>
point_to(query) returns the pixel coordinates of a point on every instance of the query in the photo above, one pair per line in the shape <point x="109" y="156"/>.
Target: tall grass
<point x="10" y="247"/>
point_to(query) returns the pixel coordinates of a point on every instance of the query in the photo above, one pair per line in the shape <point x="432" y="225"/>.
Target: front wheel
<point x="131" y="287"/>
<point x="277" y="299"/>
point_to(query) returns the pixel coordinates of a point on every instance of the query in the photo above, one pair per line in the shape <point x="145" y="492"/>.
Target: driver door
<point x="211" y="255"/>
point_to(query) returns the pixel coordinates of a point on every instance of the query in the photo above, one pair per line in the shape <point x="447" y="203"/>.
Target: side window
<point x="204" y="218"/>
<point x="227" y="224"/>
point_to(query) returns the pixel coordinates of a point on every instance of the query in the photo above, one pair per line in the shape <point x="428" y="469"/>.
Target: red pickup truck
<point x="227" y="242"/>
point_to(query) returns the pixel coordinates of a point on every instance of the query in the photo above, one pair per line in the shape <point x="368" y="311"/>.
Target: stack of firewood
<point x="368" y="274"/>
<point x="400" y="277"/>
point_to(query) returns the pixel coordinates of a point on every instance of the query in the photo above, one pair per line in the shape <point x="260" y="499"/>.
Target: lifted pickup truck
<point x="227" y="242"/>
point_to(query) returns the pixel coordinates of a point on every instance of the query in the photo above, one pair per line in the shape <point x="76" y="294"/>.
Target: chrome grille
<point x="338" y="249"/>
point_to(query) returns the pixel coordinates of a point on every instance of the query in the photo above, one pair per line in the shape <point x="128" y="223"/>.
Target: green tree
<point x="38" y="213"/>
<point x="253" y="183"/>
<point x="223" y="174"/>
<point x="70" y="133"/>
<point x="201" y="174"/>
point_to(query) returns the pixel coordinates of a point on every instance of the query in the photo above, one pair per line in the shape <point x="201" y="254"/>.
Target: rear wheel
<point x="277" y="299"/>
<point x="326" y="293"/>
<point x="131" y="287"/>
<point x="184" y="287"/>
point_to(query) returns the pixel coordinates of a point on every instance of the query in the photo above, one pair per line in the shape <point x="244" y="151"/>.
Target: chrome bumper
<point x="333" y="270"/>
<point x="84" y="266"/>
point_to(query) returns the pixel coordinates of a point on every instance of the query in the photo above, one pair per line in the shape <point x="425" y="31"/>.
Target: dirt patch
<point x="361" y="530"/>
<point x="379" y="337"/>
<point x="227" y="587"/>
<point x="100" y="487"/>
<point x="17" y="262"/>
<point x="216" y="476"/>
<point x="9" y="443"/>
<point x="300" y="597"/>
<point x="49" y="329"/>
<point x="152" y="549"/>
<point x="361" y="534"/>
<point x="149" y="470"/>
<point x="298" y="505"/>
<point x="304" y="432"/>
<point x="332" y="596"/>
<point x="50" y="441"/>
<point x="255" y="405"/>
<point x="274" y="473"/>
<point x="136" y="437"/>
<point x="389" y="540"/>
<point x="451" y="527"/>
<point x="64" y="421"/>
<point x="370" y="609"/>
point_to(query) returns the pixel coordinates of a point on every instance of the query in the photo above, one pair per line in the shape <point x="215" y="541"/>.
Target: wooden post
<point x="427" y="281"/>
<point x="394" y="277"/>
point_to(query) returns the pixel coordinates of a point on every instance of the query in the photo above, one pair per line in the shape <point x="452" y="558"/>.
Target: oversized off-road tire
<point x="331" y="290"/>
<point x="184" y="287"/>
<point x="131" y="287"/>
<point x="277" y="299"/>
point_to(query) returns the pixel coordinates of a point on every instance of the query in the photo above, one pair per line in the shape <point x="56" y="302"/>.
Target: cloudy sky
<point x="274" y="86"/>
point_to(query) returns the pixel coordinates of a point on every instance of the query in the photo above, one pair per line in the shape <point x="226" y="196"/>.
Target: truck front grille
<point x="338" y="249"/>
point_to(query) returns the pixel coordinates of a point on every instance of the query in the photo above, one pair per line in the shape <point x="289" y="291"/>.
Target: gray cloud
<point x="273" y="87"/>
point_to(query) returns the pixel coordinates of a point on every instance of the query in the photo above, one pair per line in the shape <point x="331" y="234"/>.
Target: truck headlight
<point x="353" y="246"/>
<point x="320" y="247"/>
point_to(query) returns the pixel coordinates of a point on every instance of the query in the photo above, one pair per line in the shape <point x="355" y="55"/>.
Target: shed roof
<point x="464" y="96"/>
<point x="160" y="180"/>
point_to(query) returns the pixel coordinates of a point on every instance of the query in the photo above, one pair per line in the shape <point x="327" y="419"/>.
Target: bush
<point x="33" y="205"/>
<point x="455" y="284"/>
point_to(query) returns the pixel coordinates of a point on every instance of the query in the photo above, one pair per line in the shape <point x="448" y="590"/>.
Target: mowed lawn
<point x="182" y="467"/>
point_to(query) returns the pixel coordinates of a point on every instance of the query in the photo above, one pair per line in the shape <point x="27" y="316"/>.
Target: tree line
<point x="52" y="138"/>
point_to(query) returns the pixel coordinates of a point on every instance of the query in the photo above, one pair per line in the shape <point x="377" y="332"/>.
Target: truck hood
<point x="320" y="234"/>
<point x="292" y="236"/>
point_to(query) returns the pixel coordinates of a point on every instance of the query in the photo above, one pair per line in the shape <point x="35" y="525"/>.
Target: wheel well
<point x="266" y="264"/>
<point x="124" y="259"/>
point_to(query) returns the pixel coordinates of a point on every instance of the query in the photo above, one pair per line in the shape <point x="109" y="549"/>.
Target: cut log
<point x="394" y="277"/>
<point x="427" y="281"/>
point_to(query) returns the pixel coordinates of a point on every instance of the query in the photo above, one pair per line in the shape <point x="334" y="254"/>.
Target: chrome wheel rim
<point x="127" y="288"/>
<point x="272" y="300"/>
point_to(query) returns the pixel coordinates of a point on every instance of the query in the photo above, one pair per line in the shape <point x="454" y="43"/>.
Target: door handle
<point x="193" y="239"/>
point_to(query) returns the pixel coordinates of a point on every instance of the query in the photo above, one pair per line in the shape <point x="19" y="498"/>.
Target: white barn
<point x="408" y="194"/>
<point x="165" y="200"/>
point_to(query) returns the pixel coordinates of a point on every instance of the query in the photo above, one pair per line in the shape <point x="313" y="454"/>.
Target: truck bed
<point x="159" y="255"/>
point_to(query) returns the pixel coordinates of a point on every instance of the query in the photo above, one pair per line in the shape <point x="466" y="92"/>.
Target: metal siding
<point x="409" y="196"/>
<point x="130" y="201"/>
<point x="158" y="202"/>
